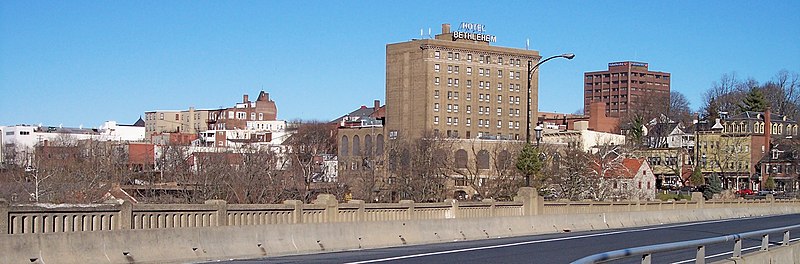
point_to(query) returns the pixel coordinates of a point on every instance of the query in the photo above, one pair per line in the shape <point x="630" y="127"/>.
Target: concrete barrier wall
<point x="776" y="254"/>
<point x="247" y="241"/>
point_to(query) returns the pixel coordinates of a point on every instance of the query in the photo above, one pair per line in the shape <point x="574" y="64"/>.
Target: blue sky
<point x="84" y="62"/>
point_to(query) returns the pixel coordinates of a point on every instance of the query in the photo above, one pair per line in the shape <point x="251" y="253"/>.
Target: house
<point x="634" y="180"/>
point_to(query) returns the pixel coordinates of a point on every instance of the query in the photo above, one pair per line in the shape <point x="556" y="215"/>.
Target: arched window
<point x="503" y="160"/>
<point x="343" y="146"/>
<point x="379" y="145"/>
<point x="461" y="159"/>
<point x="356" y="146"/>
<point x="368" y="145"/>
<point x="483" y="159"/>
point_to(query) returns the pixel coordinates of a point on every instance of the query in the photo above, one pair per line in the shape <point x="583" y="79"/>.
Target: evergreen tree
<point x="696" y="179"/>
<point x="530" y="164"/>
<point x="714" y="186"/>
<point x="754" y="101"/>
<point x="769" y="184"/>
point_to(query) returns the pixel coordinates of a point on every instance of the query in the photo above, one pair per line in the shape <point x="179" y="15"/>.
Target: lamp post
<point x="538" y="130"/>
<point x="531" y="69"/>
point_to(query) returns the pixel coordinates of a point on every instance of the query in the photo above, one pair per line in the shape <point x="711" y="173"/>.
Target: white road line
<point x="538" y="241"/>
<point x="727" y="253"/>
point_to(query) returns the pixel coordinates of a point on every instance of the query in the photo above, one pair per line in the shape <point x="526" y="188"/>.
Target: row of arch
<point x="777" y="129"/>
<point x="345" y="146"/>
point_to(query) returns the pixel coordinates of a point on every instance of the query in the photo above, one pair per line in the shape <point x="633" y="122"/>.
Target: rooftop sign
<point x="473" y="31"/>
<point x="625" y="63"/>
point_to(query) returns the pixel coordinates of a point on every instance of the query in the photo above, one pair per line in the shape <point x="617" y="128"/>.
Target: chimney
<point x="245" y="99"/>
<point x="445" y="28"/>
<point x="377" y="104"/>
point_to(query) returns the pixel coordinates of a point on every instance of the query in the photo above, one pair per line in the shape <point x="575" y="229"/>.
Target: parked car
<point x="765" y="192"/>
<point x="744" y="192"/>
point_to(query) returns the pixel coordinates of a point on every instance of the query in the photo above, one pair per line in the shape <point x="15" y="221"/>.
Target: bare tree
<point x="571" y="172"/>
<point x="311" y="140"/>
<point x="418" y="168"/>
<point x="679" y="110"/>
<point x="724" y="95"/>
<point x="783" y="93"/>
<point x="606" y="163"/>
<point x="492" y="172"/>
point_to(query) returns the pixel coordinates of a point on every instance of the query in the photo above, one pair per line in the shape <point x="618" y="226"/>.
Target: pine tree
<point x="769" y="184"/>
<point x="696" y="179"/>
<point x="754" y="101"/>
<point x="714" y="186"/>
<point x="530" y="164"/>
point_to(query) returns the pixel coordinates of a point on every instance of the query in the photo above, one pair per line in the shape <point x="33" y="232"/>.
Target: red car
<point x="744" y="192"/>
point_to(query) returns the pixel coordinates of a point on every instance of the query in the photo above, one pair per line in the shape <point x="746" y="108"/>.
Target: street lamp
<point x="531" y="69"/>
<point x="538" y="130"/>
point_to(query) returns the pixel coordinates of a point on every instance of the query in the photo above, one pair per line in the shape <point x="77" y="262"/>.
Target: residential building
<point x="191" y="121"/>
<point x="458" y="85"/>
<point x="110" y="130"/>
<point x="624" y="85"/>
<point x="781" y="164"/>
<point x="633" y="181"/>
<point x="581" y="137"/>
<point x="236" y="117"/>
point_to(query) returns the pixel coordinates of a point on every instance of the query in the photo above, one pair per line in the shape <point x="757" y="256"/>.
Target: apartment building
<point x="624" y="85"/>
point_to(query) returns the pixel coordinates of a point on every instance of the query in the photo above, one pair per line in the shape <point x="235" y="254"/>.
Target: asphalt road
<point x="559" y="248"/>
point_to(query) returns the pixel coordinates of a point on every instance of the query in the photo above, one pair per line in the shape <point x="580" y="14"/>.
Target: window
<point x="488" y="72"/>
<point x="480" y="97"/>
<point x="499" y="99"/>
<point x="458" y="56"/>
<point x="517" y="77"/>
<point x="499" y="73"/>
<point x="516" y="99"/>
<point x="161" y="116"/>
<point x="517" y="89"/>
<point x="488" y="59"/>
<point x="177" y="117"/>
<point x="469" y="70"/>
<point x="516" y="112"/>
<point x="449" y="120"/>
<point x="436" y="67"/>
<point x="469" y="57"/>
<point x="449" y="95"/>
<point x="469" y="83"/>
<point x="449" y="108"/>
<point x="436" y="54"/>
<point x="436" y="107"/>
<point x="480" y="85"/>
<point x="455" y="123"/>
<point x="261" y="116"/>
<point x="510" y="124"/>
<point x="449" y="81"/>
<point x="480" y="71"/>
<point x="450" y="56"/>
<point x="500" y="60"/>
<point x="436" y="80"/>
<point x="435" y="120"/>
<point x="436" y="94"/>
<point x="449" y="68"/>
<point x="511" y="75"/>
<point x="499" y="86"/>
<point x="252" y="116"/>
<point x="480" y="110"/>
<point x="456" y="82"/>
<point x="455" y="108"/>
<point x="499" y="123"/>
<point x="456" y="68"/>
<point x="469" y="109"/>
<point x="469" y="121"/>
<point x="469" y="96"/>
<point x="499" y="111"/>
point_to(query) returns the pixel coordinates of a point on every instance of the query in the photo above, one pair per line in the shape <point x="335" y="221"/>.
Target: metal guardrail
<point x="647" y="251"/>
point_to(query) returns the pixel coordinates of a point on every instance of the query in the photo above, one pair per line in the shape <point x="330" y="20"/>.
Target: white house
<point x="634" y="180"/>
<point x="110" y="130"/>
<point x="586" y="139"/>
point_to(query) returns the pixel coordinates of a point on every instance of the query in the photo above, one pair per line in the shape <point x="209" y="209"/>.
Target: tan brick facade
<point x="458" y="88"/>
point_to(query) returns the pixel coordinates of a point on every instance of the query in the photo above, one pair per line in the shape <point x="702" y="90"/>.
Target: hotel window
<point x="456" y="69"/>
<point x="455" y="108"/>
<point x="510" y="124"/>
<point x="500" y="60"/>
<point x="488" y="72"/>
<point x="517" y="100"/>
<point x="499" y="111"/>
<point x="518" y="75"/>
<point x="499" y="86"/>
<point x="480" y="71"/>
<point x="499" y="123"/>
<point x="511" y="112"/>
<point x="455" y="96"/>
<point x="511" y="75"/>
<point x="481" y="59"/>
<point x="449" y="108"/>
<point x="488" y="85"/>
<point x="469" y="70"/>
<point x="499" y="73"/>
<point x="161" y="116"/>
<point x="516" y="124"/>
<point x="469" y="121"/>
<point x="436" y="80"/>
<point x="480" y="122"/>
<point x="449" y="120"/>
<point x="480" y="85"/>
<point x="480" y="97"/>
<point x="516" y="112"/>
<point x="436" y="107"/>
<point x="458" y="56"/>
<point x="449" y="81"/>
<point x="469" y="96"/>
<point x="499" y="98"/>
<point x="469" y="57"/>
<point x="517" y="62"/>
<point x="449" y="95"/>
<point x="469" y="83"/>
<point x="510" y="87"/>
<point x="436" y="67"/>
<point x="455" y="122"/>
<point x="456" y="82"/>
<point x="436" y="54"/>
<point x="469" y="109"/>
<point x="436" y="94"/>
<point x="488" y="59"/>
<point x="449" y="68"/>
<point x="517" y="88"/>
<point x="435" y="120"/>
<point x="177" y="117"/>
<point x="450" y="56"/>
<point x="480" y="110"/>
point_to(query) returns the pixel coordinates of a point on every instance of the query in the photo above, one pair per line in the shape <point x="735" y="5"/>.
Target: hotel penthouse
<point x="458" y="85"/>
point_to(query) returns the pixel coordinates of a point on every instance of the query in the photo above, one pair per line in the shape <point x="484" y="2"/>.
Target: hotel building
<point x="458" y="85"/>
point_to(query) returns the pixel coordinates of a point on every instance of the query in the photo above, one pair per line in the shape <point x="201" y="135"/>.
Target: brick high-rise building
<point x="623" y="86"/>
<point x="459" y="86"/>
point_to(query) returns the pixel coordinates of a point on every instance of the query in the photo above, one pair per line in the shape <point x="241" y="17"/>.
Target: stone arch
<point x="482" y="159"/>
<point x="344" y="146"/>
<point x="379" y="144"/>
<point x="368" y="145"/>
<point x="356" y="146"/>
<point x="503" y="160"/>
<point x="461" y="159"/>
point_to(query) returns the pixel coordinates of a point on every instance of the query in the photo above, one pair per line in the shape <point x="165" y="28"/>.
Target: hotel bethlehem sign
<point x="473" y="31"/>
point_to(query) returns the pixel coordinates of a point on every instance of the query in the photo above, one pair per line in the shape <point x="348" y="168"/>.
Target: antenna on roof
<point x="527" y="43"/>
<point x="421" y="33"/>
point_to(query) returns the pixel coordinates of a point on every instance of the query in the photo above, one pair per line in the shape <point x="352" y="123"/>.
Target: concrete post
<point x="531" y="203"/>
<point x="698" y="197"/>
<point x="222" y="211"/>
<point x="410" y="209"/>
<point x="770" y="198"/>
<point x="492" y="207"/>
<point x="331" y="207"/>
<point x="298" y="210"/>
<point x="125" y="215"/>
<point x="3" y="216"/>
<point x="361" y="216"/>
